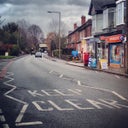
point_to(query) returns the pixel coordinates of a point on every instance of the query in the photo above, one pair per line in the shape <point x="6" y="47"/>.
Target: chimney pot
<point x="83" y="20"/>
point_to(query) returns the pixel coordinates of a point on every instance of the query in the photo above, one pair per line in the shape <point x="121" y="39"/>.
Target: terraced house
<point x="104" y="34"/>
<point x="108" y="30"/>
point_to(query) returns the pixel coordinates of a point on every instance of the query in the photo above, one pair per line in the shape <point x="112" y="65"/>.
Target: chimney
<point x="83" y="20"/>
<point x="75" y="26"/>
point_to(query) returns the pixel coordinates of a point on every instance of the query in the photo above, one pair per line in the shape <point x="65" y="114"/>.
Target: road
<point x="41" y="93"/>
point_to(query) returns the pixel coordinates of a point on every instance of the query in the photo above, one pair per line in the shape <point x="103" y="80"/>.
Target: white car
<point x="38" y="54"/>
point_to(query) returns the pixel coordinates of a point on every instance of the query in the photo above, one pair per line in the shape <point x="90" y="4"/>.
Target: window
<point x="97" y="23"/>
<point x="109" y="18"/>
<point x="93" y="24"/>
<point x="120" y="17"/>
<point x="105" y="18"/>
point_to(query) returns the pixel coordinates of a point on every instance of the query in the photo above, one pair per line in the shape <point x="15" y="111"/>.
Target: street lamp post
<point x="59" y="13"/>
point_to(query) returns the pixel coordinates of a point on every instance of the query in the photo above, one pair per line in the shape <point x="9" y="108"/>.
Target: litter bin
<point x="85" y="58"/>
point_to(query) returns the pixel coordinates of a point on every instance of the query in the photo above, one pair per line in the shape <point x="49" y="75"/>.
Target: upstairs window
<point x="109" y="18"/>
<point x="97" y="23"/>
<point x="120" y="9"/>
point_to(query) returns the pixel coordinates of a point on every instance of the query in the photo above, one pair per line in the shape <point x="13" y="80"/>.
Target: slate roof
<point x="100" y="4"/>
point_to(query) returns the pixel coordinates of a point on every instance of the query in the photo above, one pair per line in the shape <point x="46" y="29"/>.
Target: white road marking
<point x="117" y="76"/>
<point x="62" y="93"/>
<point x="76" y="92"/>
<point x="59" y="108"/>
<point x="5" y="126"/>
<point x="29" y="123"/>
<point x="40" y="108"/>
<point x="20" y="117"/>
<point x="61" y="76"/>
<point x="34" y="93"/>
<point x="21" y="114"/>
<point x="2" y="118"/>
<point x="51" y="71"/>
<point x="97" y="104"/>
<point x="11" y="90"/>
<point x="118" y="95"/>
<point x="79" y="83"/>
<point x="78" y="105"/>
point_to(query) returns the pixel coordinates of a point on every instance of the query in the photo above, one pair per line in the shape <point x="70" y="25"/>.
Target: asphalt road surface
<point x="41" y="93"/>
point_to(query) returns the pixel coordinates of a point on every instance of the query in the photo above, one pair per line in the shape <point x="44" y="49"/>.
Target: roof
<point x="100" y="4"/>
<point x="86" y="24"/>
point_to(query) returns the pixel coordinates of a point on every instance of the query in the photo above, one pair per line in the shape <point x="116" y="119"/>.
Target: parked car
<point x="38" y="54"/>
<point x="32" y="52"/>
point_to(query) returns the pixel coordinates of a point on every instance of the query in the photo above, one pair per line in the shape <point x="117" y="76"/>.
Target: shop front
<point x="115" y="50"/>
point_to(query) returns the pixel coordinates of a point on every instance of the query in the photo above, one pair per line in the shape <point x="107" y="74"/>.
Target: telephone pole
<point x="126" y="61"/>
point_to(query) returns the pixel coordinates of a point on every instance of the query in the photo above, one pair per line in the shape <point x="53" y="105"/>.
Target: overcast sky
<point x="35" y="11"/>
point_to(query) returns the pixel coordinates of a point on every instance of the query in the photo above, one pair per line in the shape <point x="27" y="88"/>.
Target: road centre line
<point x="101" y="89"/>
<point x="79" y="83"/>
<point x="61" y="76"/>
<point x="51" y="71"/>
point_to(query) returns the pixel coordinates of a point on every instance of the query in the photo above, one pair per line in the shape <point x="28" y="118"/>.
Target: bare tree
<point x="35" y="34"/>
<point x="54" y="27"/>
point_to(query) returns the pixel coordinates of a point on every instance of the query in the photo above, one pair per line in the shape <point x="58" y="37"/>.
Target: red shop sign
<point x="112" y="39"/>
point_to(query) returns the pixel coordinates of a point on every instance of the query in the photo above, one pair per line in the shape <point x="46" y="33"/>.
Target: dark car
<point x="32" y="52"/>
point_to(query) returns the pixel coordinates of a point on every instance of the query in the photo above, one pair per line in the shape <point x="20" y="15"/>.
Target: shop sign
<point x="112" y="39"/>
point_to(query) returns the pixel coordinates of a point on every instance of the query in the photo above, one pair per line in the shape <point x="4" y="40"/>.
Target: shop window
<point x="117" y="54"/>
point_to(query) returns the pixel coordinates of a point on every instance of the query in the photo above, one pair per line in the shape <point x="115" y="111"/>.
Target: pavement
<point x="115" y="71"/>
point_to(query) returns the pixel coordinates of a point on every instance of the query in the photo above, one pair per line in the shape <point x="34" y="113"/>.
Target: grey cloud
<point x="25" y="2"/>
<point x="79" y="2"/>
<point x="35" y="11"/>
<point x="47" y="2"/>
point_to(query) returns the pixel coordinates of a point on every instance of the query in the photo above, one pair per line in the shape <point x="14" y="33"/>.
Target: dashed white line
<point x="61" y="76"/>
<point x="79" y="83"/>
<point x="51" y="71"/>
